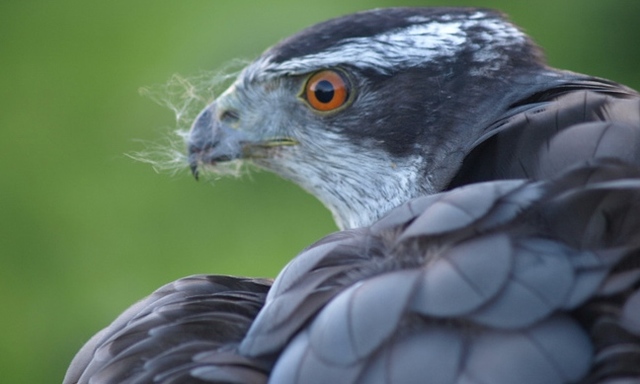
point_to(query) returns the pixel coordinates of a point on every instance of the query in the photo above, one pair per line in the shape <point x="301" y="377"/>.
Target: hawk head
<point x="369" y="110"/>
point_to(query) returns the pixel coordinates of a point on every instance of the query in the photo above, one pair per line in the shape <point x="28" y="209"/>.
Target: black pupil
<point x="324" y="91"/>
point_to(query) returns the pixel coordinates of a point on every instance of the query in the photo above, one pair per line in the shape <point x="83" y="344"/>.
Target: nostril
<point x="229" y="116"/>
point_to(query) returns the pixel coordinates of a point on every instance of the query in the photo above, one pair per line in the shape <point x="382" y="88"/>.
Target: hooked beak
<point x="212" y="141"/>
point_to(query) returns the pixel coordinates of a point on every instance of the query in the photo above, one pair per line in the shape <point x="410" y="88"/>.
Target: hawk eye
<point x="326" y="90"/>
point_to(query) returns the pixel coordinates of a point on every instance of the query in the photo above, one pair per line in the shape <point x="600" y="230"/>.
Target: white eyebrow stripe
<point x="399" y="48"/>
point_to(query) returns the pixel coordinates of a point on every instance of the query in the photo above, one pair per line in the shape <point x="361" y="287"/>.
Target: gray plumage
<point x="179" y="332"/>
<point x="491" y="222"/>
<point x="484" y="284"/>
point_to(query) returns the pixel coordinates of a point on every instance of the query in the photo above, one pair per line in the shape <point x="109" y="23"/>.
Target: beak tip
<point x="194" y="170"/>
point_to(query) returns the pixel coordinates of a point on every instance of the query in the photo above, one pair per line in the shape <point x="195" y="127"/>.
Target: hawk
<point x="489" y="208"/>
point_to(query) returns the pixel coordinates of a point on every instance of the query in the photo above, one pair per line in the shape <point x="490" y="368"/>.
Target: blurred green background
<point x="86" y="231"/>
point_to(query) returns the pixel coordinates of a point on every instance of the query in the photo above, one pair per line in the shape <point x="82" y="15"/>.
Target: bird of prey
<point x="489" y="208"/>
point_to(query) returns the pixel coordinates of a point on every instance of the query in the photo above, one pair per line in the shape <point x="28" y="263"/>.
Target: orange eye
<point x="326" y="90"/>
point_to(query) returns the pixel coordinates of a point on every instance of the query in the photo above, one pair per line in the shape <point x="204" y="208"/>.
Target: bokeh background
<point x="85" y="230"/>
